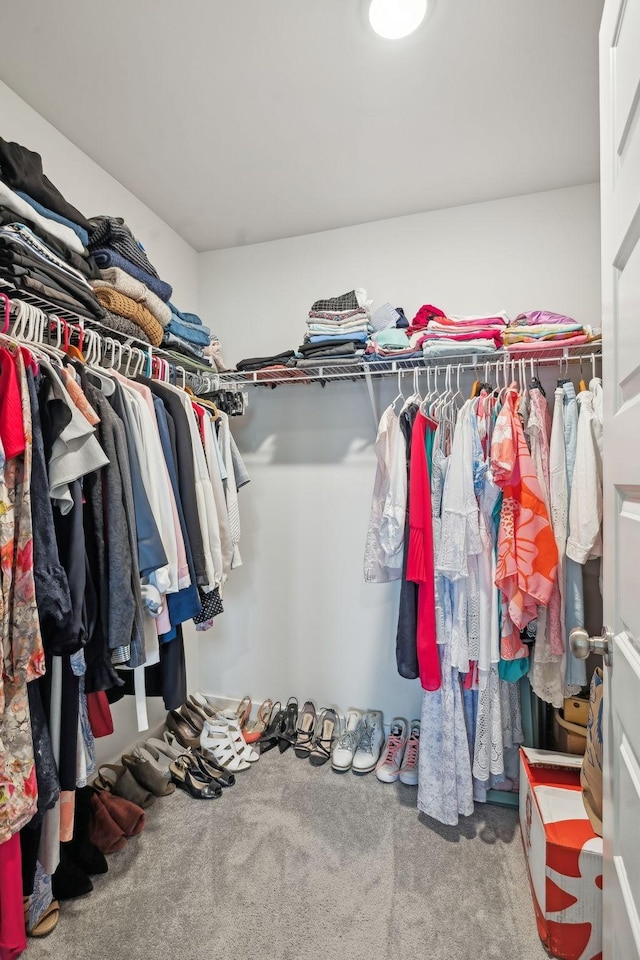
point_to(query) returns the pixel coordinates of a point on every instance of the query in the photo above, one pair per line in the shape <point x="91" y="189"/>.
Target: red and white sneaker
<point x="409" y="767"/>
<point x="388" y="766"/>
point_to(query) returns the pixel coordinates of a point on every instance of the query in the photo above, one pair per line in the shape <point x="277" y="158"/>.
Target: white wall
<point x="93" y="191"/>
<point x="299" y="618"/>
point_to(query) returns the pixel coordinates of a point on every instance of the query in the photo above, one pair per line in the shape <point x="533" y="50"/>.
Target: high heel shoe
<point x="147" y="776"/>
<point x="305" y="730"/>
<point x="188" y="777"/>
<point x="184" y="732"/>
<point x="289" y="733"/>
<point x="326" y="731"/>
<point x="243" y="711"/>
<point x="192" y="716"/>
<point x="216" y="740"/>
<point x="271" y="735"/>
<point x="252" y="732"/>
<point x="211" y="769"/>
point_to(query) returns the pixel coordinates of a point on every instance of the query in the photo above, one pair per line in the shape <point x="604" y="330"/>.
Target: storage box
<point x="569" y="737"/>
<point x="563" y="854"/>
<point x="576" y="710"/>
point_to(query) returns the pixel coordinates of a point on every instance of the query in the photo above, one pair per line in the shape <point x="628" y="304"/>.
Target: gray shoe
<point x="348" y="743"/>
<point x="371" y="741"/>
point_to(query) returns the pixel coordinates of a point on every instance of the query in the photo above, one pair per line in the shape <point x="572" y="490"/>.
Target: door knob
<point x="582" y="644"/>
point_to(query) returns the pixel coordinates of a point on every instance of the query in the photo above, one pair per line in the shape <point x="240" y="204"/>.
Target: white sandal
<point x="216" y="738"/>
<point x="242" y="748"/>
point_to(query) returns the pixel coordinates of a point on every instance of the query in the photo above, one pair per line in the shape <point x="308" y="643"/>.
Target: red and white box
<point x="564" y="855"/>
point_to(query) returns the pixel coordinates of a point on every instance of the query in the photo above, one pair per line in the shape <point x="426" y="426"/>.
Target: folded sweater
<point x="131" y="287"/>
<point x="79" y="231"/>
<point x="10" y="199"/>
<point x="111" y="258"/>
<point x="126" y="307"/>
<point x="21" y="169"/>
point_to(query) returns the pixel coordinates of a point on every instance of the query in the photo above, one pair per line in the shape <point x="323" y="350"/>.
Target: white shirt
<point x="585" y="510"/>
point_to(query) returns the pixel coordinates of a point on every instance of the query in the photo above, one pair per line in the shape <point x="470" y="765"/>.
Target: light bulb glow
<point x="394" y="19"/>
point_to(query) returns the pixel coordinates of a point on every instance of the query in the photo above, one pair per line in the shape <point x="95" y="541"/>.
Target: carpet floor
<point x="300" y="863"/>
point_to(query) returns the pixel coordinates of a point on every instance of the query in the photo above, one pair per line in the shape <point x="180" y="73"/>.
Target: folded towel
<point x="23" y="209"/>
<point x="131" y="287"/>
<point x="111" y="258"/>
<point x="194" y="333"/>
<point x="79" y="231"/>
<point x="126" y="307"/>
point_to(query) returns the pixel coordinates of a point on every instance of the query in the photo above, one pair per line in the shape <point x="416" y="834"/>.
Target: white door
<point x="620" y="184"/>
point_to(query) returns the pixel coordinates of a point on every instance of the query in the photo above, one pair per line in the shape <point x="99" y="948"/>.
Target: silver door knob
<point x="582" y="644"/>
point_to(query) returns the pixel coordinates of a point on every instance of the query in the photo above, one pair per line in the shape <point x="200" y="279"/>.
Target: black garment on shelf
<point x="340" y="348"/>
<point x="21" y="169"/>
<point x="14" y="254"/>
<point x="69" y="707"/>
<point x="257" y="363"/>
<point x="186" y="473"/>
<point x="406" y="635"/>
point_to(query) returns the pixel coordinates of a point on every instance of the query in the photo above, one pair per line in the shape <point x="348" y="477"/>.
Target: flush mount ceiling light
<point x="394" y="19"/>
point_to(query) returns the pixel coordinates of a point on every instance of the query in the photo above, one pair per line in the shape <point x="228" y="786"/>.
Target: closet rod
<point x="502" y="361"/>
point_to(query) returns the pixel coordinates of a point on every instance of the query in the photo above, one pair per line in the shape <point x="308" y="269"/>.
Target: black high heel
<point x="213" y="771"/>
<point x="289" y="733"/>
<point x="271" y="736"/>
<point x="187" y="775"/>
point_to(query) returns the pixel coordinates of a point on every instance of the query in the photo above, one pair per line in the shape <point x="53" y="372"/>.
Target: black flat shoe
<point x="289" y="733"/>
<point x="271" y="736"/>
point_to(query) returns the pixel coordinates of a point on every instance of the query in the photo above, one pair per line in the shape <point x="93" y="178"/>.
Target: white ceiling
<point x="239" y="121"/>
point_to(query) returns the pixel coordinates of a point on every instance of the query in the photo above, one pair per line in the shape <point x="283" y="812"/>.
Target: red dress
<point x="420" y="560"/>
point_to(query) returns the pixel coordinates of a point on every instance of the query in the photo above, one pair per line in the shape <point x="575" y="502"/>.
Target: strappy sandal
<point x="271" y="736"/>
<point x="289" y="732"/>
<point x="214" y="771"/>
<point x="243" y="711"/>
<point x="147" y="776"/>
<point x="216" y="739"/>
<point x="305" y="731"/>
<point x="326" y="731"/>
<point x="253" y="731"/>
<point x="188" y="777"/>
<point x="120" y="781"/>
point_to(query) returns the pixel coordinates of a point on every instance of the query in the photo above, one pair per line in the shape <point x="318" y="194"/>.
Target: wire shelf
<point x="362" y="370"/>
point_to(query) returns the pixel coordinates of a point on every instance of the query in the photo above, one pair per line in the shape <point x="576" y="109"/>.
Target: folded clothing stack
<point x="543" y="330"/>
<point x="43" y="246"/>
<point x="462" y="335"/>
<point x="394" y="343"/>
<point x="113" y="244"/>
<point x="186" y="333"/>
<point x="337" y="329"/>
<point x="123" y="306"/>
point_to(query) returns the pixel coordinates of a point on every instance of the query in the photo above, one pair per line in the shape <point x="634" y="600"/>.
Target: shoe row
<point x="354" y="742"/>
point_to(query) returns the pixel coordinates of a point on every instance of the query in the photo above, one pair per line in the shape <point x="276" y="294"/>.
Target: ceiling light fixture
<point x="394" y="19"/>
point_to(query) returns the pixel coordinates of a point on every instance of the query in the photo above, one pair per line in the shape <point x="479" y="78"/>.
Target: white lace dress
<point x="445" y="789"/>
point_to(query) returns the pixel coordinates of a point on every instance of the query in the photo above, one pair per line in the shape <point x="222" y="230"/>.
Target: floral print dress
<point x="22" y="651"/>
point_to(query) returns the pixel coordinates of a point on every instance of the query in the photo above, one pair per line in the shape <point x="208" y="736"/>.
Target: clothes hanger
<point x="400" y="395"/>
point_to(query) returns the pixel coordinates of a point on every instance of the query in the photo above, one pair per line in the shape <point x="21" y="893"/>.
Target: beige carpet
<point x="301" y="863"/>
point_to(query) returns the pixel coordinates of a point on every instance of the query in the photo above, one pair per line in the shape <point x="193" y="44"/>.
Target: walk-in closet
<point x="318" y="480"/>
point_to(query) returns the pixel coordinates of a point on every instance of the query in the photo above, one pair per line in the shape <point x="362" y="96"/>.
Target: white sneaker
<point x="409" y="766"/>
<point x="345" y="748"/>
<point x="388" y="768"/>
<point x="370" y="746"/>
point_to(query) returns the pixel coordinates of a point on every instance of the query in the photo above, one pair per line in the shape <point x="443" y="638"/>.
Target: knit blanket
<point x="111" y="258"/>
<point x="194" y="333"/>
<point x="126" y="307"/>
<point x="123" y="282"/>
